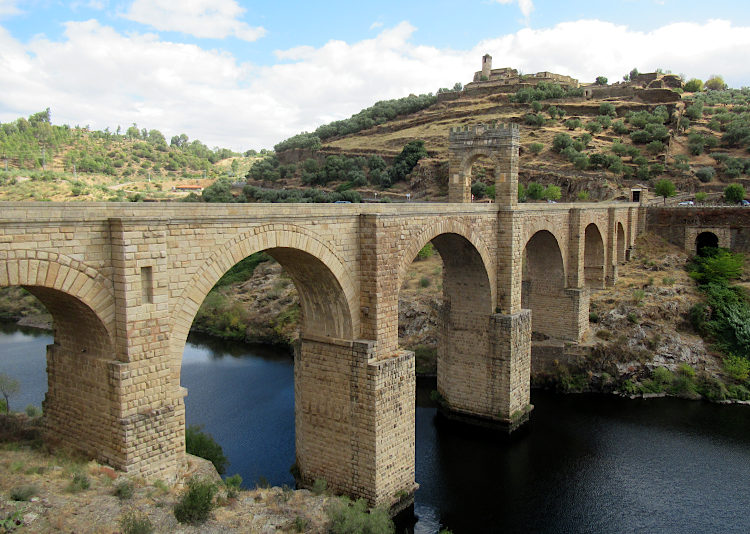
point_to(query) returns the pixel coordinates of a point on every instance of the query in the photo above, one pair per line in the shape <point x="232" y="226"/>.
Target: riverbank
<point x="44" y="491"/>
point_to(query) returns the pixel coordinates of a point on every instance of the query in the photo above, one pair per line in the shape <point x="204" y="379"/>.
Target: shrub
<point x="638" y="296"/>
<point x="607" y="108"/>
<point x="583" y="196"/>
<point x="347" y="517"/>
<point x="694" y="112"/>
<point x="535" y="191"/>
<point x="320" y="486"/>
<point x="199" y="443"/>
<point x="662" y="376"/>
<point x="536" y="106"/>
<point x="572" y="124"/>
<point x="426" y="251"/>
<point x="633" y="318"/>
<point x="655" y="147"/>
<point x="668" y="281"/>
<point x="593" y="317"/>
<point x="593" y="127"/>
<point x="737" y="367"/>
<point x="478" y="189"/>
<point x="536" y="148"/>
<point x="664" y="188"/>
<point x="80" y="482"/>
<point x="640" y="137"/>
<point x="32" y="411"/>
<point x="619" y="128"/>
<point x="124" y="490"/>
<point x="705" y="174"/>
<point x="196" y="502"/>
<point x="552" y="192"/>
<point x="700" y="196"/>
<point x="561" y="141"/>
<point x="133" y="522"/>
<point x="534" y="119"/>
<point x="693" y="85"/>
<point x="734" y="193"/>
<point x="233" y="485"/>
<point x="23" y="493"/>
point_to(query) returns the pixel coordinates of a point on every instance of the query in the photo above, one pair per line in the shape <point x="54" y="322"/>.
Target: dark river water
<point x="588" y="464"/>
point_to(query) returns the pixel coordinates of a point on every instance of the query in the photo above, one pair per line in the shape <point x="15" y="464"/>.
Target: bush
<point x="124" y="490"/>
<point x="23" y="493"/>
<point x="33" y="411"/>
<point x="705" y="174"/>
<point x="233" y="485"/>
<point x="593" y="127"/>
<point x="619" y="128"/>
<point x="583" y="196"/>
<point x="347" y="517"/>
<point x="693" y="85"/>
<point x="80" y="482"/>
<point x="536" y="148"/>
<point x="607" y="108"/>
<point x="478" y="189"/>
<point x="737" y="367"/>
<point x="535" y="191"/>
<point x="320" y="486"/>
<point x="700" y="196"/>
<point x="426" y="252"/>
<point x="199" y="443"/>
<point x="561" y="141"/>
<point x="133" y="522"/>
<point x="424" y="282"/>
<point x="734" y="193"/>
<point x="572" y="124"/>
<point x="534" y="119"/>
<point x="196" y="502"/>
<point x="552" y="192"/>
<point x="655" y="147"/>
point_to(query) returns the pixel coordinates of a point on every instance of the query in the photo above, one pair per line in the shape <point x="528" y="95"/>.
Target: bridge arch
<point x="80" y="406"/>
<point x="463" y="235"/>
<point x="593" y="257"/>
<point x="543" y="283"/>
<point x="621" y="245"/>
<point x="326" y="288"/>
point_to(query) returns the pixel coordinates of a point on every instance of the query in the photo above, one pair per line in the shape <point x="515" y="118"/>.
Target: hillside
<point x="592" y="147"/>
<point x="42" y="161"/>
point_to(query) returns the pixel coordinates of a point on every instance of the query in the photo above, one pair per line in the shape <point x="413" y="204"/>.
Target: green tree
<point x="694" y="85"/>
<point x="664" y="188"/>
<point x="715" y="83"/>
<point x="219" y="191"/>
<point x="535" y="191"/>
<point x="8" y="386"/>
<point x="601" y="80"/>
<point x="552" y="192"/>
<point x="203" y="445"/>
<point x="734" y="193"/>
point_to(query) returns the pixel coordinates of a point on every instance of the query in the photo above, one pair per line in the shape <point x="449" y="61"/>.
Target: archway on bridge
<point x="543" y="286"/>
<point x="704" y="241"/>
<point x="289" y="298"/>
<point x="69" y="381"/>
<point x="593" y="258"/>
<point x="479" y="172"/>
<point x="621" y="244"/>
<point x="445" y="304"/>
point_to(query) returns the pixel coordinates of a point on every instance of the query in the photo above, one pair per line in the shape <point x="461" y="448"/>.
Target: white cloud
<point x="98" y="76"/>
<point x="376" y="24"/>
<point x="214" y="19"/>
<point x="526" y="6"/>
<point x="9" y="8"/>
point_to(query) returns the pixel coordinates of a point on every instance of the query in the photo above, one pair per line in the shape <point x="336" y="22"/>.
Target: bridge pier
<point x="486" y="382"/>
<point x="354" y="418"/>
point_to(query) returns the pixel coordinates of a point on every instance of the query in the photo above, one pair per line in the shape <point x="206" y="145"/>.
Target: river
<point x="587" y="463"/>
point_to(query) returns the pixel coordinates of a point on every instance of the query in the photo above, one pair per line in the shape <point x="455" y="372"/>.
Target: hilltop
<point x="594" y="141"/>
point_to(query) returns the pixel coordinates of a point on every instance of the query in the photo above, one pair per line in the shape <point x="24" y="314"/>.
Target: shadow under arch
<point x="705" y="240"/>
<point x="543" y="284"/>
<point x="80" y="410"/>
<point x="593" y="258"/>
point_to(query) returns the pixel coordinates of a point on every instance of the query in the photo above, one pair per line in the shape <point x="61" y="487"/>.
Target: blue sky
<point x="248" y="74"/>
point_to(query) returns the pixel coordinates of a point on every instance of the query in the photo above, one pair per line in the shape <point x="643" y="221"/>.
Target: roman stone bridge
<point x="123" y="283"/>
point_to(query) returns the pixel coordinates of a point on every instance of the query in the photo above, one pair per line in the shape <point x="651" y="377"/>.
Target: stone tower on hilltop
<point x="486" y="66"/>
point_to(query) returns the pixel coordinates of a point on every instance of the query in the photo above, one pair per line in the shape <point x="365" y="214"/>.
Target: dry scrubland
<point x="43" y="492"/>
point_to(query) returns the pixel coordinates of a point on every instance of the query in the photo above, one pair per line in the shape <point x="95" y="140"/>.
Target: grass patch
<point x="196" y="503"/>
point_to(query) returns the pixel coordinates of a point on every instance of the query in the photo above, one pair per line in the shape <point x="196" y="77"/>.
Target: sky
<point x="242" y="75"/>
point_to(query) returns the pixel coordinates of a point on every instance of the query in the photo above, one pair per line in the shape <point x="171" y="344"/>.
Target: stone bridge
<point x="123" y="283"/>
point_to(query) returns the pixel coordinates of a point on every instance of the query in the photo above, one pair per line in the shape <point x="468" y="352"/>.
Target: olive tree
<point x="8" y="386"/>
<point x="664" y="188"/>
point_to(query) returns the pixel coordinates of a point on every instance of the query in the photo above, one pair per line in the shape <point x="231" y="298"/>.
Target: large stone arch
<point x="594" y="268"/>
<point x="543" y="283"/>
<point x="460" y="229"/>
<point x="80" y="407"/>
<point x="64" y="285"/>
<point x="329" y="303"/>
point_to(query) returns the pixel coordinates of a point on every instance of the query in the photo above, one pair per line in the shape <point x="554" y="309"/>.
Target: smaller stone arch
<point x="705" y="240"/>
<point x="593" y="257"/>
<point x="543" y="283"/>
<point x="621" y="244"/>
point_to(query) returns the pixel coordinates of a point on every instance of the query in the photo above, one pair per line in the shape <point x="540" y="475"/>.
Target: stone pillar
<point x="488" y="384"/>
<point x="149" y="400"/>
<point x="354" y="418"/>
